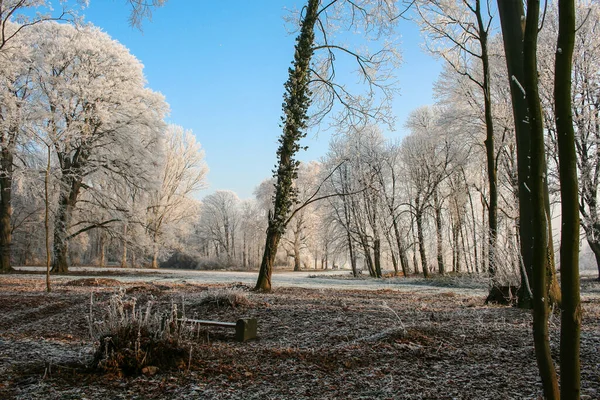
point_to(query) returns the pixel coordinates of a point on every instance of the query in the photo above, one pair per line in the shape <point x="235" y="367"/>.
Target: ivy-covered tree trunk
<point x="295" y="116"/>
<point x="570" y="385"/>
<point x="539" y="216"/>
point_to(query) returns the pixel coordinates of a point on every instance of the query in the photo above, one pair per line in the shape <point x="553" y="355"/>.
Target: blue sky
<point x="222" y="66"/>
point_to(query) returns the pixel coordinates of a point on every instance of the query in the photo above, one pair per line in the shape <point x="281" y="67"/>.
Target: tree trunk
<point x="570" y="375"/>
<point x="377" y="257"/>
<point x="468" y="260"/>
<point x="297" y="266"/>
<point x="154" y="263"/>
<point x="512" y="16"/>
<point x="540" y="223"/>
<point x="595" y="247"/>
<point x="244" y="252"/>
<point x="553" y="288"/>
<point x="266" y="267"/>
<point x="368" y="258"/>
<point x="124" y="253"/>
<point x="401" y="249"/>
<point x="475" y="266"/>
<point x="438" y="231"/>
<point x="6" y="175"/>
<point x="61" y="224"/>
<point x="419" y="220"/>
<point x="47" y="219"/>
<point x="394" y="263"/>
<point x="297" y="243"/>
<point x="102" y="262"/>
<point x="352" y="255"/>
<point x="492" y="169"/>
<point x="295" y="109"/>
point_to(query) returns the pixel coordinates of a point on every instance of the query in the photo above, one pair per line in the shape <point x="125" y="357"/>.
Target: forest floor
<point x="312" y="343"/>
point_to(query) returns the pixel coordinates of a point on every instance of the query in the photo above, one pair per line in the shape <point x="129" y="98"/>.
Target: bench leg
<point x="245" y="329"/>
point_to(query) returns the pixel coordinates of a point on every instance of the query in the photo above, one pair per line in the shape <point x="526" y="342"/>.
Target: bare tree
<point x="459" y="32"/>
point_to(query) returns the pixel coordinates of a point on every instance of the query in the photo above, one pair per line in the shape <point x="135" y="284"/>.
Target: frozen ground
<point x="305" y="279"/>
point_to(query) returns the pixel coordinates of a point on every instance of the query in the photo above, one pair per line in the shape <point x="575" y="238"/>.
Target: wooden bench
<point x="245" y="329"/>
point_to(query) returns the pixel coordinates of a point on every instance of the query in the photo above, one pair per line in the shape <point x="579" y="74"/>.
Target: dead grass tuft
<point x="94" y="282"/>
<point x="226" y="298"/>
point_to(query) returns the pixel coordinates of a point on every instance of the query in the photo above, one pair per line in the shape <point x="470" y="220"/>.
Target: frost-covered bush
<point x="130" y="337"/>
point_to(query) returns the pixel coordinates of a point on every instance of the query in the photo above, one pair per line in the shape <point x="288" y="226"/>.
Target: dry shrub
<point x="146" y="288"/>
<point x="130" y="338"/>
<point x="94" y="282"/>
<point x="226" y="298"/>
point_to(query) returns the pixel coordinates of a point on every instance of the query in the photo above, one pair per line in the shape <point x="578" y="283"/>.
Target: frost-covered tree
<point x="301" y="224"/>
<point x="102" y="121"/>
<point x="182" y="173"/>
<point x="15" y="94"/>
<point x="27" y="13"/>
<point x="16" y="19"/>
<point x="219" y="222"/>
<point x="429" y="158"/>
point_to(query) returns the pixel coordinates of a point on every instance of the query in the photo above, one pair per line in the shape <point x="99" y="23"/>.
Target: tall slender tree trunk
<point x="244" y="252"/>
<point x="297" y="265"/>
<point x="352" y="255"/>
<point x="124" y="252"/>
<point x="295" y="108"/>
<point x="421" y="240"/>
<point x="540" y="223"/>
<point x="401" y="249"/>
<point x="414" y="250"/>
<point x="474" y="223"/>
<point x="47" y="218"/>
<point x="6" y="176"/>
<point x="463" y="240"/>
<point x="438" y="231"/>
<point x="570" y="374"/>
<point x="512" y="19"/>
<point x="492" y="168"/>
